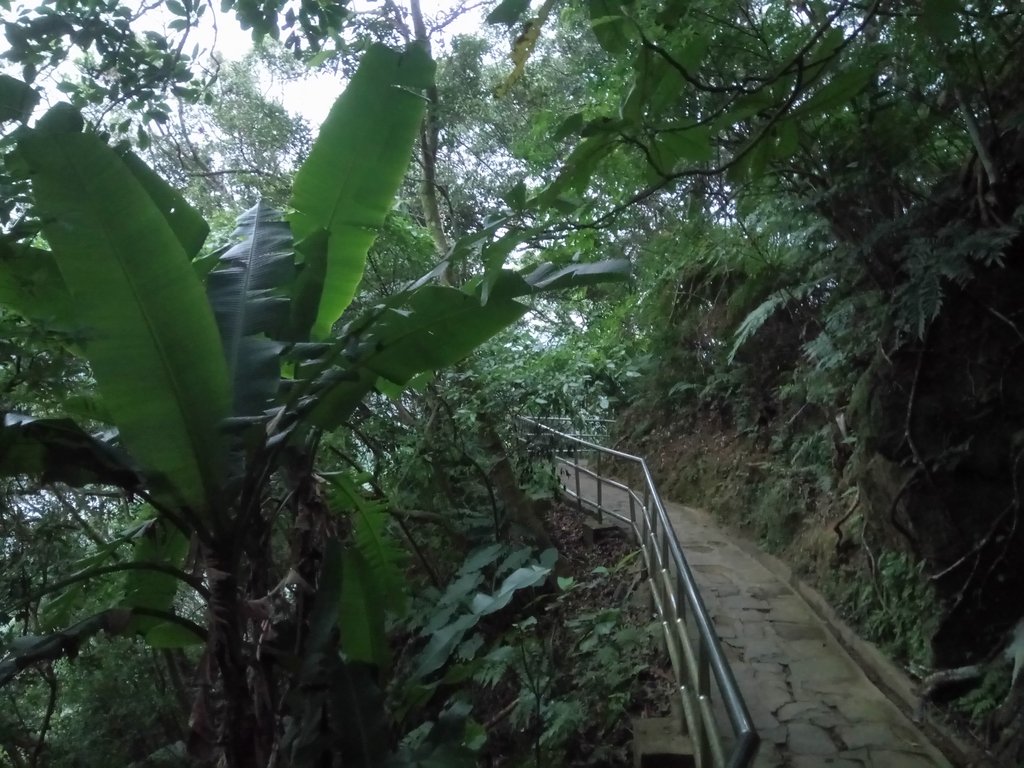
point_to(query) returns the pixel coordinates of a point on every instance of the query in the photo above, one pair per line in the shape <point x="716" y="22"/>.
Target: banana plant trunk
<point x="245" y="738"/>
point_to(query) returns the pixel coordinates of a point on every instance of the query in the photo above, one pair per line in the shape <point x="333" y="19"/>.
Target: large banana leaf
<point x="436" y="327"/>
<point x="432" y="327"/>
<point x="336" y="707"/>
<point x="150" y="334"/>
<point x="187" y="223"/>
<point x="347" y="185"/>
<point x="58" y="450"/>
<point x="246" y="292"/>
<point x="160" y="543"/>
<point x="17" y="99"/>
<point x="547" y="277"/>
<point x="31" y="285"/>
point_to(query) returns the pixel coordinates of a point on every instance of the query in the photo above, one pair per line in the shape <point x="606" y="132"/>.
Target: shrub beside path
<point x="811" y="703"/>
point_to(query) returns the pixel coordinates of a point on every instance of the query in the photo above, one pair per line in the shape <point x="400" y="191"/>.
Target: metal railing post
<point x="693" y="646"/>
<point x="576" y="471"/>
<point x="632" y="514"/>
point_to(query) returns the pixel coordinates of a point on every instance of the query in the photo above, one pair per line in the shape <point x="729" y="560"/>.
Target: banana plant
<point x="217" y="375"/>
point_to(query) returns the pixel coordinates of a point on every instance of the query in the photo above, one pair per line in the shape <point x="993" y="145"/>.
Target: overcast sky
<point x="313" y="96"/>
<point x="310" y="97"/>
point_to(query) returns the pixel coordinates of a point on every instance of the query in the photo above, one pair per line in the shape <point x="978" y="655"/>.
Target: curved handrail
<point x="663" y="555"/>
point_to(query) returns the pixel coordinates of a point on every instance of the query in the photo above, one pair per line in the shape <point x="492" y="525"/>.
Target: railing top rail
<point x="569" y="418"/>
<point x="739" y="717"/>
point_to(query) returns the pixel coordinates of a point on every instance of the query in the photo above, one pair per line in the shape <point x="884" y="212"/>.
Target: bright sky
<point x="313" y="96"/>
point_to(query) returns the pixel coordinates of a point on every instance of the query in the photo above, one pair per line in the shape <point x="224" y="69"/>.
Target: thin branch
<point x="717" y="170"/>
<point x="88" y="530"/>
<point x="229" y="171"/>
<point x="976" y="139"/>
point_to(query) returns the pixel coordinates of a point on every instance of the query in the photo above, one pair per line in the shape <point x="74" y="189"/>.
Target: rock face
<point x="939" y="414"/>
<point x="940" y="456"/>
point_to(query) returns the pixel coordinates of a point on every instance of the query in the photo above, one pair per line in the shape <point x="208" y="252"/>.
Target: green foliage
<point x="948" y="257"/>
<point x="152" y="342"/>
<point x="345" y="189"/>
<point x="895" y="608"/>
<point x="558" y="700"/>
<point x="764" y="177"/>
<point x="244" y="289"/>
<point x="461" y="607"/>
<point x="205" y="371"/>
<point x="983" y="700"/>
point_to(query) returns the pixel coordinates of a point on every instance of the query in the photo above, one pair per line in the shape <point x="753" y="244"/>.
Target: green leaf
<point x="838" y="92"/>
<point x="161" y="543"/>
<point x="579" y="166"/>
<point x="385" y="559"/>
<point x="547" y="278"/>
<point x="442" y="643"/>
<point x="55" y="612"/>
<point x="17" y="99"/>
<point x="571" y="125"/>
<point x="515" y="197"/>
<point x="508" y="12"/>
<point x="757" y="317"/>
<point x="186" y="222"/>
<point x="522" y="578"/>
<point x="150" y="335"/>
<point x="638" y="96"/>
<point x="435" y="327"/>
<point x="347" y="185"/>
<point x="610" y="27"/>
<point x="940" y="18"/>
<point x="58" y="450"/>
<point x="689" y="144"/>
<point x="361" y="616"/>
<point x="324" y="614"/>
<point x="32" y="286"/>
<point x="481" y="557"/>
<point x="246" y="291"/>
<point x="167" y="634"/>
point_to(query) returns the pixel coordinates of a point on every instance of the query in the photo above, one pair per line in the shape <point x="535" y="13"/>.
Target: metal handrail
<point x="597" y="429"/>
<point x="695" y="660"/>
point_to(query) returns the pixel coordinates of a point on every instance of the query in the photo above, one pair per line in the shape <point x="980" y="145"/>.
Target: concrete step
<point x="658" y="743"/>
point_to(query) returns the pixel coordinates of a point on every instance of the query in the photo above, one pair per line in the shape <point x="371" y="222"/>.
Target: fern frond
<point x="762" y="313"/>
<point x="919" y="300"/>
<point x="823" y="351"/>
<point x="494" y="665"/>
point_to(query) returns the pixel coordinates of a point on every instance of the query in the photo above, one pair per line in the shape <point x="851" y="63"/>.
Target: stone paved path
<point x="810" y="702"/>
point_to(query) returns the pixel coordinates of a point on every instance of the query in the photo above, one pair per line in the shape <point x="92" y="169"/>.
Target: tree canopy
<point x="259" y="376"/>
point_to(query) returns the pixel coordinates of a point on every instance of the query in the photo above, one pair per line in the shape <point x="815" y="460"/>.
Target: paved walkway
<point x="810" y="702"/>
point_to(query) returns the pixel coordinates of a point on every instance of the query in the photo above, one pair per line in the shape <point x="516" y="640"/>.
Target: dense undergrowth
<point x="768" y="411"/>
<point x="884" y="594"/>
<point x="283" y="471"/>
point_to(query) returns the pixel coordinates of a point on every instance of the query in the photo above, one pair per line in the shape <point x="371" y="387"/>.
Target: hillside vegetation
<point x="263" y="502"/>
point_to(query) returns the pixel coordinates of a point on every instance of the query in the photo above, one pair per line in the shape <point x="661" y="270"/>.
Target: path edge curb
<point x="890" y="679"/>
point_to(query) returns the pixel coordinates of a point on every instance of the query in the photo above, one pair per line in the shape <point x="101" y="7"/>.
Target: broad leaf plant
<point x="218" y="374"/>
